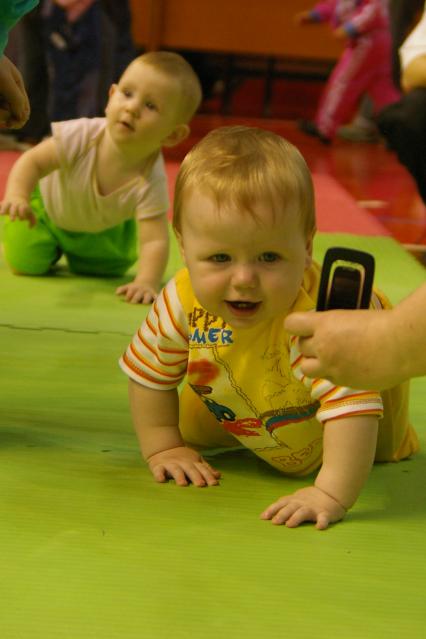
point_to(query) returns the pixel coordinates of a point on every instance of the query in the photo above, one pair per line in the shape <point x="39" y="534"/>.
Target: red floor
<point x="370" y="173"/>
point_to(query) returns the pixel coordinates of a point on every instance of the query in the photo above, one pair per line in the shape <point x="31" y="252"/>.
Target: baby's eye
<point x="150" y="106"/>
<point x="219" y="258"/>
<point x="127" y="93"/>
<point x="269" y="256"/>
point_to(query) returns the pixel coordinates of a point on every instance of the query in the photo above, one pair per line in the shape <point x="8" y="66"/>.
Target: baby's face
<point x="142" y="109"/>
<point x="242" y="270"/>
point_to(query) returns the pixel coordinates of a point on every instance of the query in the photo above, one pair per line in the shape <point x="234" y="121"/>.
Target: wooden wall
<point x="262" y="27"/>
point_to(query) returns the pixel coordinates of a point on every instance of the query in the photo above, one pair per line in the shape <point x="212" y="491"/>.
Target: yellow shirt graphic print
<point x="245" y="379"/>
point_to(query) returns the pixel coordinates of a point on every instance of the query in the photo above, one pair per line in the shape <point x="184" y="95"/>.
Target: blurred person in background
<point x="70" y="52"/>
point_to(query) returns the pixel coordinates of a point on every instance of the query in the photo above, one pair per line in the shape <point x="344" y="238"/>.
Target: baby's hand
<point x="184" y="465"/>
<point x="18" y="208"/>
<point x="137" y="292"/>
<point x="307" y="504"/>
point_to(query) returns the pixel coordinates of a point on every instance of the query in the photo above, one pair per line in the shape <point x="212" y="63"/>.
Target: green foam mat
<point x="92" y="547"/>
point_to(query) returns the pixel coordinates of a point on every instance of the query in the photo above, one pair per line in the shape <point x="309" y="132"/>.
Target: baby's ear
<point x="111" y="92"/>
<point x="309" y="249"/>
<point x="179" y="133"/>
<point x="180" y="244"/>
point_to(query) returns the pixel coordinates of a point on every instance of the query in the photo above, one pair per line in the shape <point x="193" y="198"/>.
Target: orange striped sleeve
<point x="141" y="374"/>
<point x="336" y="402"/>
<point x="340" y="393"/>
<point x="159" y="350"/>
<point x="143" y="363"/>
<point x="157" y="357"/>
<point x="151" y="326"/>
<point x="173" y="320"/>
<point x="354" y="413"/>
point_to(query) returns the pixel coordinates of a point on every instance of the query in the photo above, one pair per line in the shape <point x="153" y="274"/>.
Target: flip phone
<point x="346" y="279"/>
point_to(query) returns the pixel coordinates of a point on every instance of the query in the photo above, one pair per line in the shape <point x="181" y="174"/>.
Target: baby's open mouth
<point x="127" y="125"/>
<point x="242" y="305"/>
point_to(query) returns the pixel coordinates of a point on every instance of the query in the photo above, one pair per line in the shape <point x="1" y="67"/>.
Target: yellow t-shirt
<point x="249" y="380"/>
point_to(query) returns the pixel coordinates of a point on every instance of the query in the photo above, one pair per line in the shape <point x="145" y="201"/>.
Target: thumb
<point x="301" y="324"/>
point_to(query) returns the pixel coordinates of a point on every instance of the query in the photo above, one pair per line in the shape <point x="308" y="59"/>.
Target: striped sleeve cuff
<point x="336" y="402"/>
<point x="157" y="357"/>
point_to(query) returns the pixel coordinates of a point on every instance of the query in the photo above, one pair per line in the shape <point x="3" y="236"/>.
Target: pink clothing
<point x="74" y="8"/>
<point x="365" y="65"/>
<point x="357" y="16"/>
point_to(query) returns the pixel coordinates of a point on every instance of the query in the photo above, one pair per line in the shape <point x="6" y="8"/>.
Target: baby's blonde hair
<point x="241" y="166"/>
<point x="177" y="68"/>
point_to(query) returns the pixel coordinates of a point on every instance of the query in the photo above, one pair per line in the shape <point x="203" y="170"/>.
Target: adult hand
<point x="184" y="465"/>
<point x="307" y="504"/>
<point x="350" y="348"/>
<point x="14" y="104"/>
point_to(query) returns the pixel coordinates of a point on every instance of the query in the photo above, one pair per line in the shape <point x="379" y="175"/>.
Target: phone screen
<point x="345" y="288"/>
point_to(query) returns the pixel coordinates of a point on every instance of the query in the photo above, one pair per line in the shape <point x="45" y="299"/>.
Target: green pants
<point x="33" y="251"/>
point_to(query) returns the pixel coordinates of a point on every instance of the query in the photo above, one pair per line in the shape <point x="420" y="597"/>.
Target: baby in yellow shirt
<point x="245" y="220"/>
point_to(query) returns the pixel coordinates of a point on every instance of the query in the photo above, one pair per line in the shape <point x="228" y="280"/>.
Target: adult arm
<point x="414" y="74"/>
<point x="413" y="57"/>
<point x="364" y="349"/>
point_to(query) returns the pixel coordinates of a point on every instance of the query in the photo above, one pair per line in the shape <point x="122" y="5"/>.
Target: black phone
<point x="346" y="279"/>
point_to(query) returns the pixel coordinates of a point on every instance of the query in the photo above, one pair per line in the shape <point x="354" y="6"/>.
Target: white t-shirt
<point x="415" y="44"/>
<point x="71" y="195"/>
